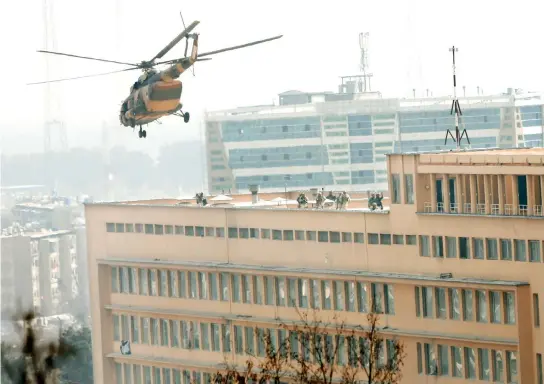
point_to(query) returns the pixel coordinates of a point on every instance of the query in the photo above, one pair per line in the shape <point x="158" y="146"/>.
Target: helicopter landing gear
<point x="186" y="117"/>
<point x="142" y="133"/>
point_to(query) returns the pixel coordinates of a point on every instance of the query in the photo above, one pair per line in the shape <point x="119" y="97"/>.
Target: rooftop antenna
<point x="455" y="105"/>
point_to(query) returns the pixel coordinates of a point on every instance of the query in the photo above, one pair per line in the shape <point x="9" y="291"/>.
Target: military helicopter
<point x="157" y="93"/>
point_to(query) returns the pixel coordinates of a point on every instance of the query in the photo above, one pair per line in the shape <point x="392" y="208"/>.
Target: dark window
<point x="307" y="127"/>
<point x="284" y="128"/>
<point x="285" y="156"/>
<point x="263" y="157"/>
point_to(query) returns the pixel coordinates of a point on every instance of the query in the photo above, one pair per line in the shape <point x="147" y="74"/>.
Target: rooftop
<point x="287" y="200"/>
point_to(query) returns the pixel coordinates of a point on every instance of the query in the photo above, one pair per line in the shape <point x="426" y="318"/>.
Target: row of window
<point x="266" y="234"/>
<point x="247" y="340"/>
<point x="338" y="295"/>
<point x="442" y="303"/>
<point x="144" y="374"/>
<point x="488" y="248"/>
<point x="466" y="362"/>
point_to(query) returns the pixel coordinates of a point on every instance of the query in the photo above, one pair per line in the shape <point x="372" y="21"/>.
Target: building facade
<point x="339" y="140"/>
<point x="455" y="273"/>
<point x="39" y="271"/>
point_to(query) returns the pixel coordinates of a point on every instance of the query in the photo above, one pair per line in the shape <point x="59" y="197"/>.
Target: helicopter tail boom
<point x="177" y="68"/>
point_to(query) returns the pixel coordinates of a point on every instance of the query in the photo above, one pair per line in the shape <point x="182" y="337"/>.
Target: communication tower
<point x="456" y="109"/>
<point x="364" y="82"/>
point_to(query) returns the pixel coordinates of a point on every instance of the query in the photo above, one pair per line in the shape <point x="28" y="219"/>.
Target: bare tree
<point x="35" y="361"/>
<point x="317" y="351"/>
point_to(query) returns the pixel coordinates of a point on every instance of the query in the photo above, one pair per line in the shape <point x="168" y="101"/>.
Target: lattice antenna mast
<point x="455" y="108"/>
<point x="364" y="86"/>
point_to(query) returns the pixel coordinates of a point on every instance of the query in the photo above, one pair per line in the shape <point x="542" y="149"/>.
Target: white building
<point x="338" y="141"/>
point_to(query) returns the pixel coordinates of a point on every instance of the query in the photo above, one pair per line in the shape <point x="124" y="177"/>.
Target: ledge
<point x="309" y="271"/>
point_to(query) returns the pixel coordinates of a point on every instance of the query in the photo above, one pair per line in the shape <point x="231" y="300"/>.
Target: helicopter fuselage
<point x="151" y="101"/>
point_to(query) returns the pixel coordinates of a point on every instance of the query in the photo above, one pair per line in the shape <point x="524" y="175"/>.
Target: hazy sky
<point x="499" y="46"/>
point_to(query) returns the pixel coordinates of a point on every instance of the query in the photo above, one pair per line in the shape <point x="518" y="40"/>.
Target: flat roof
<point x="309" y="271"/>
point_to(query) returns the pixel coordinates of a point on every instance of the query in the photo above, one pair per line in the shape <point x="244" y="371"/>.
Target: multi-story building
<point x="339" y="140"/>
<point x="456" y="273"/>
<point x="39" y="271"/>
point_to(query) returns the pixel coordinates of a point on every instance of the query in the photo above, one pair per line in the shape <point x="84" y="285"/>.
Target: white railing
<point x="538" y="210"/>
<point x="495" y="210"/>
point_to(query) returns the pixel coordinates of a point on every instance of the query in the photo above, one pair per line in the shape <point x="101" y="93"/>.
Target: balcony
<point x="508" y="209"/>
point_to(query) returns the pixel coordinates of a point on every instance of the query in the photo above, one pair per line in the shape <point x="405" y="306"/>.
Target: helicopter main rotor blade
<point x="176" y="40"/>
<point x="239" y="46"/>
<point x="181" y="58"/>
<point x="87" y="58"/>
<point x="83" y="77"/>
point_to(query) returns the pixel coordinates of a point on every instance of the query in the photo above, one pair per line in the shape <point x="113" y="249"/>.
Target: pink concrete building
<point x="454" y="264"/>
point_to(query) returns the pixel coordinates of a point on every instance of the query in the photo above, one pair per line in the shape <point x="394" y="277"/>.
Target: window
<point x="424" y="246"/>
<point x="418" y="298"/>
<point x="362" y="301"/>
<point x="427" y="299"/>
<point x="303" y="293"/>
<point x="411" y="240"/>
<point x="235" y="283"/>
<point x="233" y="233"/>
<point x="470" y="363"/>
<point x="258" y="290"/>
<point x="145" y="330"/>
<point x="520" y="251"/>
<point x="148" y="229"/>
<point x="159" y="229"/>
<point x="134" y="329"/>
<point x="419" y="359"/>
<point x="292" y="302"/>
<point x="536" y="310"/>
<point x="114" y="280"/>
<point x="440" y="303"/>
<point x="311" y="236"/>
<point x="119" y="227"/>
<point x="250" y="340"/>
<point x="512" y="367"/>
<point x="395" y="185"/>
<point x="110" y="227"/>
<point x="269" y="286"/>
<point x="359" y="237"/>
<point x="288" y="235"/>
<point x="174" y="333"/>
<point x="373" y="238"/>
<point x="276" y="234"/>
<point x="334" y="236"/>
<point x="451" y="247"/>
<point x="119" y="373"/>
<point x="498" y="366"/>
<point x="129" y="228"/>
<point x="164" y="332"/>
<point x="398" y="239"/>
<point x="216" y="346"/>
<point x="326" y="294"/>
<point x="205" y="332"/>
<point x="349" y="289"/>
<point x="244" y="233"/>
<point x="182" y="285"/>
<point x="238" y="340"/>
<point x="385" y="239"/>
<point x="280" y="291"/>
<point x="506" y="249"/>
<point x="430" y="360"/>
<point x="213" y="286"/>
<point x="483" y="359"/>
<point x="116" y="328"/>
<point x="443" y="360"/>
<point x="224" y="286"/>
<point x="495" y="306"/>
<point x="456" y="362"/>
<point x="539" y="370"/>
<point x="154" y="331"/>
<point x="438" y="246"/>
<point x="323" y="236"/>
<point x="455" y="308"/>
<point x="534" y="251"/>
<point x="467" y="305"/>
<point x="509" y="308"/>
<point x="346" y="237"/>
<point x="409" y="189"/>
<point x="464" y="248"/>
<point x="478" y="248"/>
<point x="492" y="250"/>
<point x="481" y="306"/>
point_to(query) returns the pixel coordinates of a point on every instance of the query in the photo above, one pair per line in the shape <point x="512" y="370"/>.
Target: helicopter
<point x="156" y="93"/>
